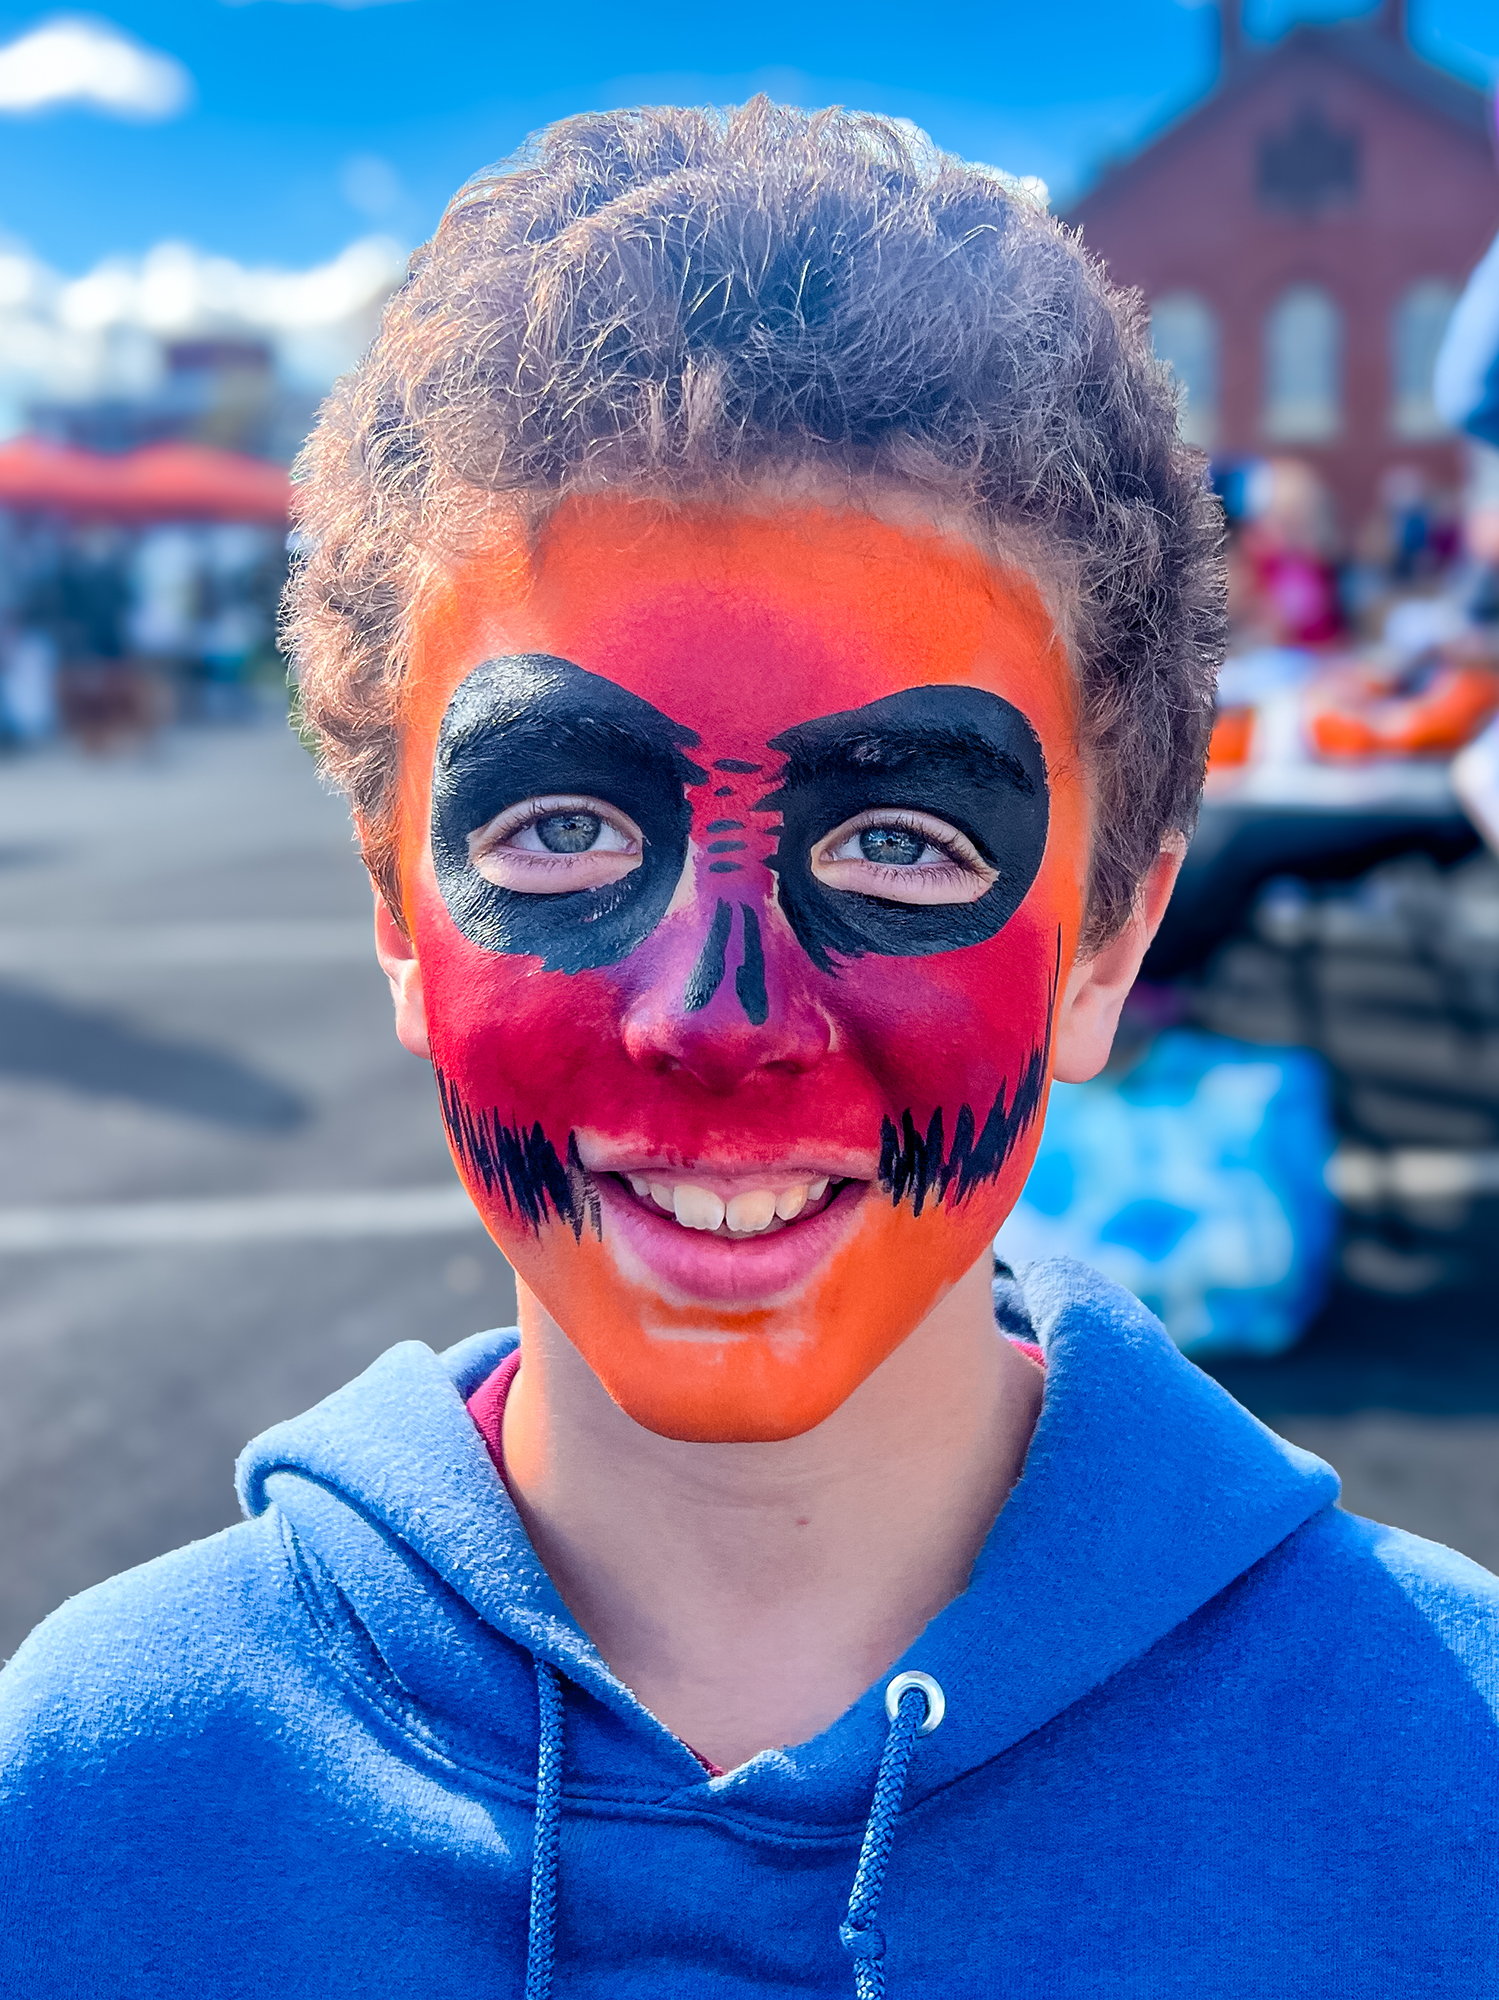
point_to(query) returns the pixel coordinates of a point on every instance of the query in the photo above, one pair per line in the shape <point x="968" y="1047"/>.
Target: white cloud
<point x="70" y="340"/>
<point x="74" y="60"/>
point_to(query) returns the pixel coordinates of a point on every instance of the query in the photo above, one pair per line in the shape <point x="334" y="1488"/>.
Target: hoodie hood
<point x="1146" y="1491"/>
<point x="355" y="1748"/>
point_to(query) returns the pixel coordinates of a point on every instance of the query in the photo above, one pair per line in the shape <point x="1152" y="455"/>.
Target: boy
<point x="765" y="621"/>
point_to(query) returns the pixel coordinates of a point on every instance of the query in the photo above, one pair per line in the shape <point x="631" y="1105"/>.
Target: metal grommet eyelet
<point x="936" y="1700"/>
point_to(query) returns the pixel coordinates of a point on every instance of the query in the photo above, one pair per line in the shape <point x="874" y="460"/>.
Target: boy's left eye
<point x="902" y="857"/>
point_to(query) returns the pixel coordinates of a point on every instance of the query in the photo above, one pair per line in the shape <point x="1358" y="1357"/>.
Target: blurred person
<point x="765" y="618"/>
<point x="166" y="591"/>
<point x="107" y="699"/>
<point x="1290" y="543"/>
<point x="28" y="686"/>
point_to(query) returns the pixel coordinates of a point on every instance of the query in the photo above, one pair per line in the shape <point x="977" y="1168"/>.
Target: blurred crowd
<point x="1303" y="1104"/>
<point x="1375" y="644"/>
<point x="108" y="631"/>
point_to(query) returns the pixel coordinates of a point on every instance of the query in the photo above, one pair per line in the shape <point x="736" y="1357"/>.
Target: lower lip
<point x="697" y="1265"/>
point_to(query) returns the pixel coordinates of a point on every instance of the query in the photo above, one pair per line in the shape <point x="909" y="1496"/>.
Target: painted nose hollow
<point x="721" y="1009"/>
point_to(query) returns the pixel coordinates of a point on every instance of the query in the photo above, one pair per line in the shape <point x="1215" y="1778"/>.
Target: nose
<point x="726" y="1001"/>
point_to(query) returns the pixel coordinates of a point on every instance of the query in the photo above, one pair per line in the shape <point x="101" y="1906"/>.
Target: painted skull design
<point x="742" y="856"/>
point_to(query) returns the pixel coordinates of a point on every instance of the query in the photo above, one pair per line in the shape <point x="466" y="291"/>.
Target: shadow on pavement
<point x="49" y="1040"/>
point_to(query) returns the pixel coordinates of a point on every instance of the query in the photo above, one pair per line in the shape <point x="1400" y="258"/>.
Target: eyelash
<point x="535" y="810"/>
<point x="906" y="823"/>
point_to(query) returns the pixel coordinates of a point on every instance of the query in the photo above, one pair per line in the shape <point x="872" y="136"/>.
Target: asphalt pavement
<point x="223" y="1184"/>
<point x="192" y="1029"/>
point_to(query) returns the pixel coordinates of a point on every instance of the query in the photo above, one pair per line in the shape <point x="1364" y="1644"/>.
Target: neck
<point x="749" y="1593"/>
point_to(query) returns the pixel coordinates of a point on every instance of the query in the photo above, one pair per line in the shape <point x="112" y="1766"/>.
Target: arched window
<point x="1416" y="328"/>
<point x="1303" y="367"/>
<point x="1184" y="331"/>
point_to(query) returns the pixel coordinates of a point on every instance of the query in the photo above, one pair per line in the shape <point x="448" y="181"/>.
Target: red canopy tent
<point x="54" y="478"/>
<point x="158" y="482"/>
<point x="180" y="482"/>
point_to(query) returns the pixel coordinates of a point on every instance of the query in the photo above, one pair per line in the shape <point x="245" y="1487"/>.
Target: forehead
<point x="740" y="624"/>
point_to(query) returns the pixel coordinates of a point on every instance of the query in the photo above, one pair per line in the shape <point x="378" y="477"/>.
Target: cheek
<point x="958" y="1028"/>
<point x="509" y="1036"/>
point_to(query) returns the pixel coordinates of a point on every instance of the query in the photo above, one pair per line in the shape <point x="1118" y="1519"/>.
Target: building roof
<point x="1366" y="46"/>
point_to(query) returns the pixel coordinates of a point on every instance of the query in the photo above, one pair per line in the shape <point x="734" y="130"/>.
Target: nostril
<point x="734" y="1007"/>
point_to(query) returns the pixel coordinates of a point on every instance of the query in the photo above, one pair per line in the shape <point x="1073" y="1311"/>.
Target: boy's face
<point x="743" y="858"/>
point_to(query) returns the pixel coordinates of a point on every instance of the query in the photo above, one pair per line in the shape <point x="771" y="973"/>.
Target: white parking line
<point x="285" y="941"/>
<point x="269" y="1218"/>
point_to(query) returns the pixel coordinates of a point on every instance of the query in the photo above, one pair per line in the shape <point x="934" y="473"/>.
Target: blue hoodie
<point x="1205" y="1734"/>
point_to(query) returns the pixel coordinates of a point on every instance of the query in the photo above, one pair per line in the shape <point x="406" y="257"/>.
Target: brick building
<point x="1301" y="236"/>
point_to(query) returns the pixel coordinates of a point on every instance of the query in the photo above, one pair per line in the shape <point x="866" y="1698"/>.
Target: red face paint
<point x="720" y="980"/>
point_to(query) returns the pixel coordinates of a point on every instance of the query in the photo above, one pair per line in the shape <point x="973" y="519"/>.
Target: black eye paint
<point x="959" y="753"/>
<point x="529" y="724"/>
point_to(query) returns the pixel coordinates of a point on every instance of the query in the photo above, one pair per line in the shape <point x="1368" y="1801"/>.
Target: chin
<point x="696" y="1411"/>
<point x="685" y="1358"/>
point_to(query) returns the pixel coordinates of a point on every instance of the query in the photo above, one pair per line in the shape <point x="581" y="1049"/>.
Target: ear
<point x="1099" y="985"/>
<point x="399" y="964"/>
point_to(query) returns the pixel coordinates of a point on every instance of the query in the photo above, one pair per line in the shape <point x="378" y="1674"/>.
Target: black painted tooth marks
<point x="522" y="1166"/>
<point x="918" y="1164"/>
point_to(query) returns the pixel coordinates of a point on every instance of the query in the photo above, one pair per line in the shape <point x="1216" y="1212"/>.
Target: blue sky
<point x="280" y="130"/>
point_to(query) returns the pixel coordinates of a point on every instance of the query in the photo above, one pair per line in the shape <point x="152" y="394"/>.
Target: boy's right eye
<point x="555" y="845"/>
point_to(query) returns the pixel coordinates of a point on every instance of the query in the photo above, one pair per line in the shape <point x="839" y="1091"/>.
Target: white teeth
<point x="747" y="1214"/>
<point x="743" y="1214"/>
<point x="696" y="1208"/>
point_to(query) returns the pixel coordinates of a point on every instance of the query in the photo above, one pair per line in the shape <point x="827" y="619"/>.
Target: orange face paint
<point x="698" y="963"/>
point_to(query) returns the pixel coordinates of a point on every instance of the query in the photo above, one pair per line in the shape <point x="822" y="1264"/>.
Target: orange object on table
<point x="1448" y="707"/>
<point x="1233" y="732"/>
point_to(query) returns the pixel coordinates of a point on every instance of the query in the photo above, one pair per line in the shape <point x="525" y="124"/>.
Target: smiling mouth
<point x="736" y="1239"/>
<point x="743" y="1216"/>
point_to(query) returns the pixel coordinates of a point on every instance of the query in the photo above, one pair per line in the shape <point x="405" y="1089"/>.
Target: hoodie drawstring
<point x="541" y="1938"/>
<point x="914" y="1706"/>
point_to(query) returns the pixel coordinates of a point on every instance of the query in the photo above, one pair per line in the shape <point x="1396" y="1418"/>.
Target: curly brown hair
<point x="693" y="301"/>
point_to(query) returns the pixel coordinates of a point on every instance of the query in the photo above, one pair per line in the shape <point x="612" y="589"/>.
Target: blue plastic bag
<point x="1197" y="1181"/>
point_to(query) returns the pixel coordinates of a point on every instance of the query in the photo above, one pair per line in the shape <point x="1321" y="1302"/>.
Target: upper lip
<point x="725" y="1179"/>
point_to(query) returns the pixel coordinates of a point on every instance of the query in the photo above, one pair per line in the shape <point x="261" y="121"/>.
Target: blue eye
<point x="569" y="832"/>
<point x="892" y="846"/>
